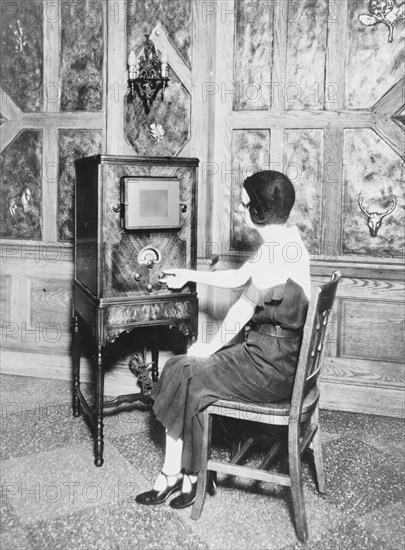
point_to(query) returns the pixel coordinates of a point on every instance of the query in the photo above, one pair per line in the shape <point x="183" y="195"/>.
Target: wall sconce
<point x="148" y="74"/>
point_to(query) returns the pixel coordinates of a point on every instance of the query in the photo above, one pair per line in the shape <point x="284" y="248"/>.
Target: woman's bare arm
<point x="229" y="278"/>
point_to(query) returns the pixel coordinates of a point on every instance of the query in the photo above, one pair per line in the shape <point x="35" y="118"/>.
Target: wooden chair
<point x="303" y="407"/>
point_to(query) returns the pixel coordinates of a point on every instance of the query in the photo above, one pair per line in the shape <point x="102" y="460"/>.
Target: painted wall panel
<point x="253" y="52"/>
<point x="303" y="154"/>
<point x="251" y="153"/>
<point x="373" y="65"/>
<point x="175" y="16"/>
<point x="21" y="36"/>
<point x="373" y="169"/>
<point x="306" y="48"/>
<point x="173" y="114"/>
<point x="82" y="55"/>
<point x="21" y="165"/>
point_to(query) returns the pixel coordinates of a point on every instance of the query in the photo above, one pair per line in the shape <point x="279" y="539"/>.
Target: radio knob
<point x="137" y="276"/>
<point x="149" y="287"/>
<point x="150" y="263"/>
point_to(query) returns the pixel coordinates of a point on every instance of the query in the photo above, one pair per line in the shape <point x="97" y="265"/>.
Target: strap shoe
<point x="157" y="497"/>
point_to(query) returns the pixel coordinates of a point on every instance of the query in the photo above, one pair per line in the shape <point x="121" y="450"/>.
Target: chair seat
<point x="282" y="408"/>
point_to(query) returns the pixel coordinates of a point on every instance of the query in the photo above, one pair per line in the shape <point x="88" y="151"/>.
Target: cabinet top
<point x="117" y="159"/>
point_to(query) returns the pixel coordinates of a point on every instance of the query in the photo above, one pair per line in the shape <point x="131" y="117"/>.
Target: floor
<point x="53" y="497"/>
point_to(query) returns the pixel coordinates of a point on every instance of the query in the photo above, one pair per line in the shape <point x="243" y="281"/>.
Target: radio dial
<point x="149" y="287"/>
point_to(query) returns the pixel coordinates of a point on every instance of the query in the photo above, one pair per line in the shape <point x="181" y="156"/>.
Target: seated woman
<point x="262" y="369"/>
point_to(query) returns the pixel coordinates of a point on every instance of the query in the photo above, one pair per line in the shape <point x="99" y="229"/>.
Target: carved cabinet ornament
<point x="374" y="219"/>
<point x="384" y="11"/>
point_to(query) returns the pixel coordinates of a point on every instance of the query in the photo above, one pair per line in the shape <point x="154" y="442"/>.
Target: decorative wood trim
<point x="392" y="102"/>
<point x="280" y="35"/>
<point x="161" y="42"/>
<point x="9" y="131"/>
<point x="391" y="133"/>
<point x="116" y="80"/>
<point x="134" y="159"/>
<point x="338" y="396"/>
<point x="16" y="251"/>
<point x="296" y="119"/>
<point x="73" y="120"/>
<point x="202" y="123"/>
<point x="335" y="54"/>
<point x="50" y="179"/>
<point x="362" y="372"/>
<point x="332" y="190"/>
<point x="8" y="108"/>
<point x="224" y="43"/>
<point x="276" y="161"/>
<point x="52" y="43"/>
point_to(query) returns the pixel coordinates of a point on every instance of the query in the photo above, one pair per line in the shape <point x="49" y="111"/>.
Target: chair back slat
<point x="312" y="348"/>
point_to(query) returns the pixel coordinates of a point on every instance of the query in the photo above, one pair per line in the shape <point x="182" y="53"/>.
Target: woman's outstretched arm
<point x="229" y="278"/>
<point x="237" y="317"/>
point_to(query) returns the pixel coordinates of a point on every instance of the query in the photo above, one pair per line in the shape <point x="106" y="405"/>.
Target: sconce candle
<point x="132" y="63"/>
<point x="148" y="74"/>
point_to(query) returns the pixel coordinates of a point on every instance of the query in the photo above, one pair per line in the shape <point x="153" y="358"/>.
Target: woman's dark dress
<point x="260" y="370"/>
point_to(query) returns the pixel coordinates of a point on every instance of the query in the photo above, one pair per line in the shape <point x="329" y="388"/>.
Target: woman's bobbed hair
<point x="272" y="197"/>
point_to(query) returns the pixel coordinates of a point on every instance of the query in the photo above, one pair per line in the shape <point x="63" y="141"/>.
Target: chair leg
<point x="318" y="459"/>
<point x="76" y="366"/>
<point x="202" y="479"/>
<point x="294" y="461"/>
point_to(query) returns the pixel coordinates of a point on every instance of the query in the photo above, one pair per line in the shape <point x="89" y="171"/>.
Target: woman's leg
<point x="172" y="464"/>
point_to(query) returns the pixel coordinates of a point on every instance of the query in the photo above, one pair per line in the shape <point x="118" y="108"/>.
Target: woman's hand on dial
<point x="175" y="278"/>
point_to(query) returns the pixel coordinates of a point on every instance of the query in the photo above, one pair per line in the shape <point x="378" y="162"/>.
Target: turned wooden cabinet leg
<point x="99" y="407"/>
<point x="76" y="366"/>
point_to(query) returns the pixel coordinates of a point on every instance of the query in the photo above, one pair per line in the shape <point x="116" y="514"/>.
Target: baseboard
<point x="119" y="380"/>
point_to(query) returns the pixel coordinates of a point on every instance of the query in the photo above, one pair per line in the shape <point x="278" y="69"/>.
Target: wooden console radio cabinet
<point x="135" y="217"/>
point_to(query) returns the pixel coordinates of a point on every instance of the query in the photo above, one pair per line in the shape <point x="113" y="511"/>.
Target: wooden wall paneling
<point x="222" y="138"/>
<point x="340" y="395"/>
<point x="116" y="79"/>
<point x="279" y="62"/>
<point x="52" y="44"/>
<point x="5" y="294"/>
<point x="162" y="42"/>
<point x="202" y="116"/>
<point x="9" y="109"/>
<point x="50" y="161"/>
<point x="225" y="32"/>
<point x="331" y="215"/>
<point x="392" y="134"/>
<point x="372" y="329"/>
<point x="335" y="59"/>
<point x="51" y="104"/>
<point x="295" y="119"/>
